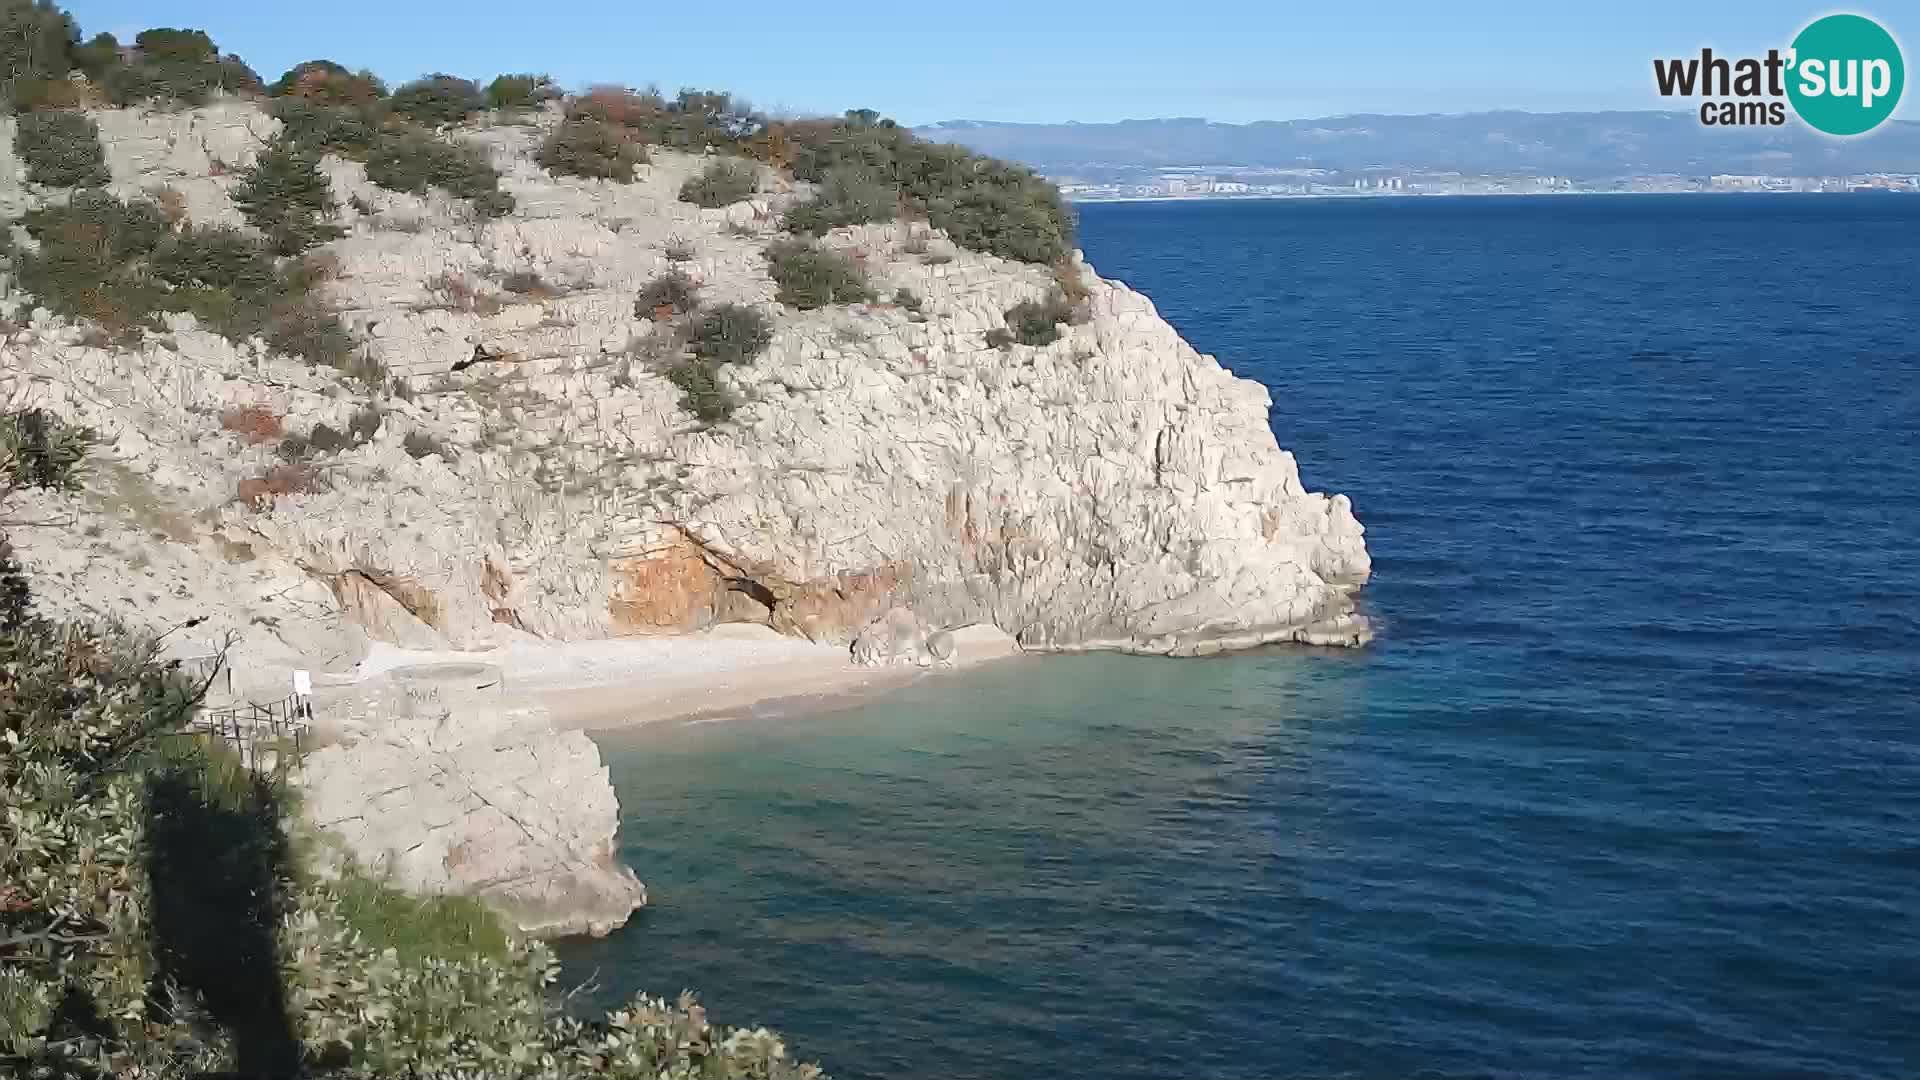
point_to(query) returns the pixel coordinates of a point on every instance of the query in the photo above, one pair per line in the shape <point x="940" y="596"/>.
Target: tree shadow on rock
<point x="217" y="858"/>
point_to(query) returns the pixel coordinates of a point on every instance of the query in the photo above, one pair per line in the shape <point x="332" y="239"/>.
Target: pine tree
<point x="285" y="196"/>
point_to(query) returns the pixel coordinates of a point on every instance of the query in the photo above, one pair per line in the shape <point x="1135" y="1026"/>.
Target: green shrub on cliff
<point x="520" y="91"/>
<point x="175" y="66"/>
<point x="810" y="277"/>
<point x="40" y="45"/>
<point x="37" y="450"/>
<point x="983" y="203"/>
<point x="1022" y="218"/>
<point x="347" y="130"/>
<point x="160" y="917"/>
<point x="284" y="195"/>
<point x="90" y="260"/>
<point x="727" y="334"/>
<point x="722" y="183"/>
<point x="36" y="44"/>
<point x="692" y="121"/>
<point x="672" y="293"/>
<point x="731" y="334"/>
<point x="170" y="45"/>
<point x="61" y="149"/>
<point x="121" y="265"/>
<point x="414" y="161"/>
<point x="324" y="82"/>
<point x="218" y="257"/>
<point x="700" y="119"/>
<point x="1038" y="322"/>
<point x="95" y="58"/>
<point x="591" y="149"/>
<point x="438" y="100"/>
<point x="847" y="197"/>
<point x="300" y="324"/>
<point x="701" y="392"/>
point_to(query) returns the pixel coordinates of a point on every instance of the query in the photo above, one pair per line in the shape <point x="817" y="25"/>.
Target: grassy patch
<point x="419" y="927"/>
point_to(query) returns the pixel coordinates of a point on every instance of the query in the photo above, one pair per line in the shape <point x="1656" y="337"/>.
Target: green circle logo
<point x="1846" y="74"/>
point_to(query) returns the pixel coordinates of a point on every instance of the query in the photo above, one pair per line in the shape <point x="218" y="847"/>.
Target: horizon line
<point x="1330" y="116"/>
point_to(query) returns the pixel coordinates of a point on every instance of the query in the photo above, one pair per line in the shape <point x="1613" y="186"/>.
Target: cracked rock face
<point x="1114" y="489"/>
<point x="451" y="794"/>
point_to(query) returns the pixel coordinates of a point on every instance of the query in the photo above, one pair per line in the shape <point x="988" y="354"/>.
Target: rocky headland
<point x="896" y="479"/>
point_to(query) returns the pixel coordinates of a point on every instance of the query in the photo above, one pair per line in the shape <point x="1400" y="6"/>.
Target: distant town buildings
<point x="1215" y="182"/>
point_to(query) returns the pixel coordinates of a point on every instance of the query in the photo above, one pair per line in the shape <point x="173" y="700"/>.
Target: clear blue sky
<point x="1230" y="60"/>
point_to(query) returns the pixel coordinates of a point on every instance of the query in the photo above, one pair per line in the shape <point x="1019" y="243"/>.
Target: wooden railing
<point x="277" y="726"/>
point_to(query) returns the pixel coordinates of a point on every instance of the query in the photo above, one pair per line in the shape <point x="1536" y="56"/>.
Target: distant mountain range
<point x="1581" y="145"/>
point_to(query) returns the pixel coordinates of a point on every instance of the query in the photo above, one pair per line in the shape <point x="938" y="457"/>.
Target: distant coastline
<point x="1329" y="196"/>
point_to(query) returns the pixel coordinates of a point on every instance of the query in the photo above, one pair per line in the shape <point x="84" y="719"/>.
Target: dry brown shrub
<point x="1072" y="285"/>
<point x="234" y="550"/>
<point x="772" y="144"/>
<point x="260" y="491"/>
<point x="458" y="293"/>
<point x="333" y="88"/>
<point x="65" y="94"/>
<point x="318" y="266"/>
<point x="255" y="424"/>
<point x="172" y="204"/>
<point x="616" y="105"/>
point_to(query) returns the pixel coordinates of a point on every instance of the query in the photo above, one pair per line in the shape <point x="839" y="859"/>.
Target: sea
<point x="1628" y="786"/>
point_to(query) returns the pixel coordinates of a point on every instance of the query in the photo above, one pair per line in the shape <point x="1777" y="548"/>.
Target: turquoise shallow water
<point x="1629" y="787"/>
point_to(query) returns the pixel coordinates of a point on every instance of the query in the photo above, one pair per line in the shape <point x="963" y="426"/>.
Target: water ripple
<point x="1629" y="789"/>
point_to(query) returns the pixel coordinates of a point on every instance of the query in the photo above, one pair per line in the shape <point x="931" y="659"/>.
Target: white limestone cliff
<point x="1115" y="489"/>
<point x="446" y="791"/>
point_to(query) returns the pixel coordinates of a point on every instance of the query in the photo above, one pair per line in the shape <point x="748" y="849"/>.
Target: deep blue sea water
<point x="1628" y="787"/>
